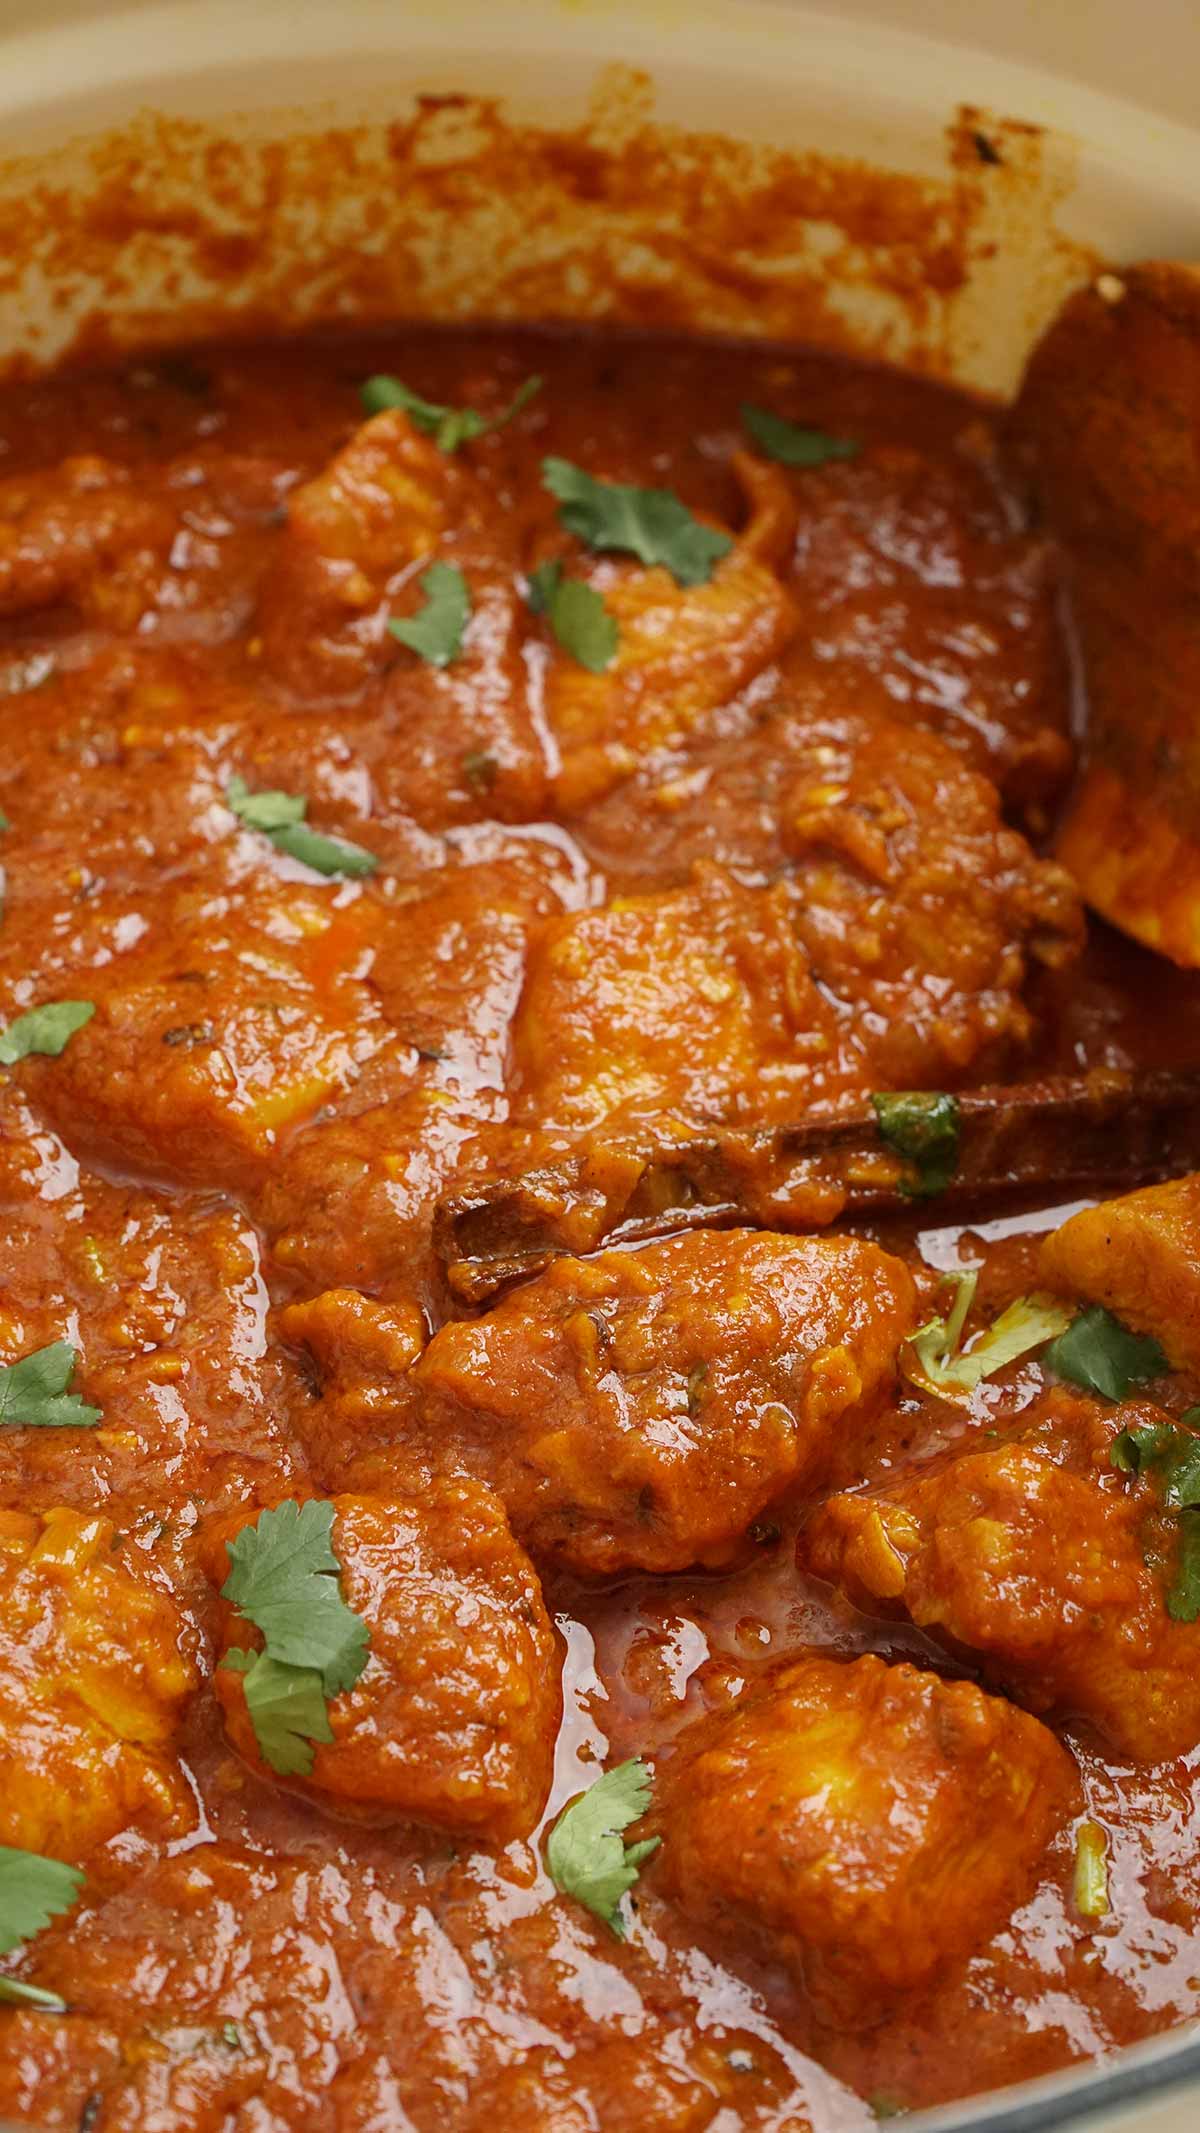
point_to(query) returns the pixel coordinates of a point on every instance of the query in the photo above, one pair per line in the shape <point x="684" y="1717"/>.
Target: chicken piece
<point x="683" y="650"/>
<point x="864" y="1824"/>
<point x="1108" y="424"/>
<point x="1140" y="1257"/>
<point x="226" y="1029"/>
<point x="221" y="1031"/>
<point x="634" y="2084"/>
<point x="50" y="2071"/>
<point x="640" y="1410"/>
<point x="1042" y="1559"/>
<point x="255" y="2023"/>
<point x="919" y="597"/>
<point x="352" y="1206"/>
<point x="453" y="1720"/>
<point x="250" y="2020"/>
<point x="92" y="1687"/>
<point x="384" y="504"/>
<point x="698" y="1002"/>
<point x="918" y="909"/>
<point x="82" y="532"/>
<point x="916" y="906"/>
<point x="163" y="1298"/>
<point x="358" y="538"/>
<point x="363" y="1351"/>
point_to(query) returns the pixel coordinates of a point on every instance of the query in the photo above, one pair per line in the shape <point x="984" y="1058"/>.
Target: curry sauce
<point x="429" y="760"/>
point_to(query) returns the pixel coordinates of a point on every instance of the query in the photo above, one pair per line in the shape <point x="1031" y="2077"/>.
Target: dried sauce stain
<point x="168" y="230"/>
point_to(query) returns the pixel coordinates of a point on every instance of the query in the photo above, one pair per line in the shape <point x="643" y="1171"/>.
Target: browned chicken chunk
<point x="1139" y="1256"/>
<point x="1046" y="1561"/>
<point x="642" y="1409"/>
<point x="453" y="1718"/>
<point x="93" y="1683"/>
<point x="681" y="651"/>
<point x="359" y="541"/>
<point x="864" y="1824"/>
<point x="699" y="1001"/>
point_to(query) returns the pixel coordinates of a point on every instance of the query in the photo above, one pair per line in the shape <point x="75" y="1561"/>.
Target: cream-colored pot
<point x="173" y="164"/>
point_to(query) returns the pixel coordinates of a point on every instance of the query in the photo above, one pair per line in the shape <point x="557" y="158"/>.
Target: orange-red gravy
<point x="381" y="1979"/>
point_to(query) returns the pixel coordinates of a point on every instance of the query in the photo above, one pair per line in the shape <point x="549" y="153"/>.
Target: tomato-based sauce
<point x="401" y="837"/>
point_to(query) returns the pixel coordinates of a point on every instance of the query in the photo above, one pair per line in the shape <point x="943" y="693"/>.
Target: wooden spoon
<point x="1107" y="430"/>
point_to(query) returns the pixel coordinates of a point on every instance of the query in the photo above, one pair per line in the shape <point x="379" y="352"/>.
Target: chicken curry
<point x="599" y="1374"/>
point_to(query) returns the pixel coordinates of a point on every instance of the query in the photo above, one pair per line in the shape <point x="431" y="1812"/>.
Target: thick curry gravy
<point x="785" y="857"/>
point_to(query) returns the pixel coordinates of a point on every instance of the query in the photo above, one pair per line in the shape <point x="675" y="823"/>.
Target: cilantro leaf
<point x="1172" y="1456"/>
<point x="270" y="810"/>
<point x="585" y="1854"/>
<point x="1183" y="1593"/>
<point x="34" y="1395"/>
<point x="938" y="1365"/>
<point x="436" y="630"/>
<point x="284" y="1578"/>
<point x="1100" y="1354"/>
<point x="793" y="445"/>
<point x="923" y="1126"/>
<point x="46" y="1030"/>
<point x="33" y="1890"/>
<point x="576" y="614"/>
<point x="448" y="426"/>
<point x="280" y="816"/>
<point x="286" y="1706"/>
<point x="651" y="524"/>
<point x="1170" y="1453"/>
<point x="5" y="824"/>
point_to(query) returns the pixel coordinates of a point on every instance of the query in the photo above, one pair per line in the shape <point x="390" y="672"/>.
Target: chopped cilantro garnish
<point x="268" y="811"/>
<point x="1091" y="1871"/>
<point x="792" y="444"/>
<point x="1171" y="1456"/>
<point x="280" y="816"/>
<point x="1183" y="1593"/>
<point x="284" y="1577"/>
<point x="651" y="524"/>
<point x="34" y="1394"/>
<point x="46" y="1030"/>
<point x="1100" y="1354"/>
<point x="939" y="1365"/>
<point x="33" y="1890"/>
<point x="585" y="1853"/>
<point x="287" y="1709"/>
<point x="576" y="614"/>
<point x="922" y="1125"/>
<point x="436" y="630"/>
<point x="325" y="855"/>
<point x="4" y="821"/>
<point x="448" y="426"/>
